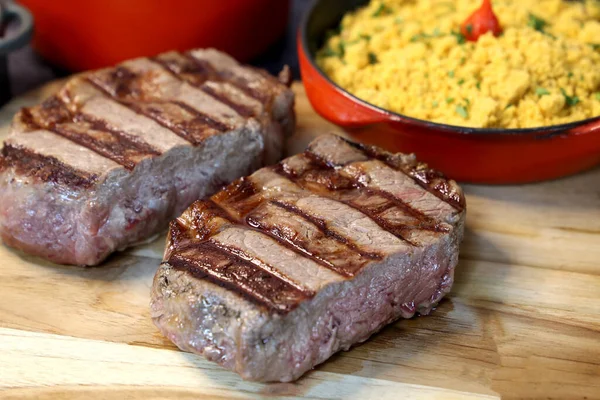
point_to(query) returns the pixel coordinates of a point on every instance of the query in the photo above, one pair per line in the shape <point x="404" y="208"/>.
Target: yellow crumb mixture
<point x="409" y="57"/>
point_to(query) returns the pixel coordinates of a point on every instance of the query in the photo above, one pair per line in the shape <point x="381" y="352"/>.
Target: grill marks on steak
<point x="395" y="173"/>
<point x="388" y="211"/>
<point x="229" y="269"/>
<point x="142" y="108"/>
<point x="201" y="74"/>
<point x="333" y="222"/>
<point x="90" y="132"/>
<point x="134" y="91"/>
<point x="193" y="127"/>
<point x="433" y="181"/>
<point x="333" y="207"/>
<point x="308" y="238"/>
<point x="288" y="213"/>
<point x="206" y="222"/>
<point x="196" y="62"/>
<point x="325" y="229"/>
<point x="250" y="92"/>
<point x="44" y="168"/>
<point x="118" y="153"/>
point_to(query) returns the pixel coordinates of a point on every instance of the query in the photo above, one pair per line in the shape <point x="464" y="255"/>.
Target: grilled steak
<point x="278" y="271"/>
<point x="115" y="155"/>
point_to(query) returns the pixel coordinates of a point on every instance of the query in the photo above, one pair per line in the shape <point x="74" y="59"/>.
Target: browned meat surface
<point x="117" y="153"/>
<point x="281" y="269"/>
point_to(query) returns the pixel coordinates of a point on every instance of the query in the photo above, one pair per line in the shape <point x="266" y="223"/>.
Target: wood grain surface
<point x="522" y="321"/>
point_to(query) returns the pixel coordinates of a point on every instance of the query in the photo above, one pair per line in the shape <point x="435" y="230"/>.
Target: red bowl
<point x="476" y="155"/>
<point x="89" y="34"/>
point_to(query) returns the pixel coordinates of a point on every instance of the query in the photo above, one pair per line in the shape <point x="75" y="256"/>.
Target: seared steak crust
<point x="310" y="255"/>
<point x="116" y="153"/>
<point x="47" y="169"/>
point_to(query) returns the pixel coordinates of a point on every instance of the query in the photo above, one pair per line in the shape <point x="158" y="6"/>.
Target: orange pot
<point x="88" y="34"/>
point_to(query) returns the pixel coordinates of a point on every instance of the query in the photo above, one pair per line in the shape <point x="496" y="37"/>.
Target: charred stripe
<point x="114" y="144"/>
<point x="240" y="108"/>
<point x="264" y="96"/>
<point x="431" y="180"/>
<point x="236" y="199"/>
<point x="426" y="223"/>
<point x="197" y="73"/>
<point x="324" y="228"/>
<point x="194" y="130"/>
<point x="238" y="193"/>
<point x="45" y="168"/>
<point x="256" y="261"/>
<point x="333" y="194"/>
<point x="235" y="273"/>
<point x="203" y="118"/>
<point x="133" y="141"/>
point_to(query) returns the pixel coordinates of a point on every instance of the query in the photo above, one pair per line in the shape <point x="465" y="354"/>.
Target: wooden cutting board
<point x="522" y="321"/>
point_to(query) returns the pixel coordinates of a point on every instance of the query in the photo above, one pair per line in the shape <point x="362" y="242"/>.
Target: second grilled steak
<point x="119" y="152"/>
<point x="280" y="270"/>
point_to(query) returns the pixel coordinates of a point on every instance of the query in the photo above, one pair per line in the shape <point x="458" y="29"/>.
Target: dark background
<point x="27" y="70"/>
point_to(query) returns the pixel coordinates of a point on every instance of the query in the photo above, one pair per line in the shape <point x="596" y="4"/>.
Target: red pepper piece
<point x="480" y="22"/>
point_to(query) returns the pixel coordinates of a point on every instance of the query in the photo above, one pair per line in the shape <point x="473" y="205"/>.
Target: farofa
<point x="409" y="57"/>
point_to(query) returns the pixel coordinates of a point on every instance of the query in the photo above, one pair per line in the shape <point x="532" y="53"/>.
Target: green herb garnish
<point x="449" y="100"/>
<point x="373" y="58"/>
<point x="365" y="37"/>
<point x="451" y="74"/>
<point x="595" y="46"/>
<point x="352" y="42"/>
<point x="436" y="32"/>
<point x="536" y="23"/>
<point x="332" y="32"/>
<point x="462" y="111"/>
<point x="462" y="60"/>
<point x="461" y="81"/>
<point x="570" y="74"/>
<point x="467" y="101"/>
<point x="420" y="36"/>
<point x="460" y="38"/>
<point x="597" y="95"/>
<point x="469" y="28"/>
<point x="508" y="106"/>
<point x="540" y="91"/>
<point x="329" y="52"/>
<point x="478" y="85"/>
<point x="381" y="10"/>
<point x="569" y="100"/>
<point x="342" y="49"/>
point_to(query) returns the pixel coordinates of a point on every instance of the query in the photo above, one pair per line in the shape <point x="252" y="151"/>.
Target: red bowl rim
<point x="551" y="130"/>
